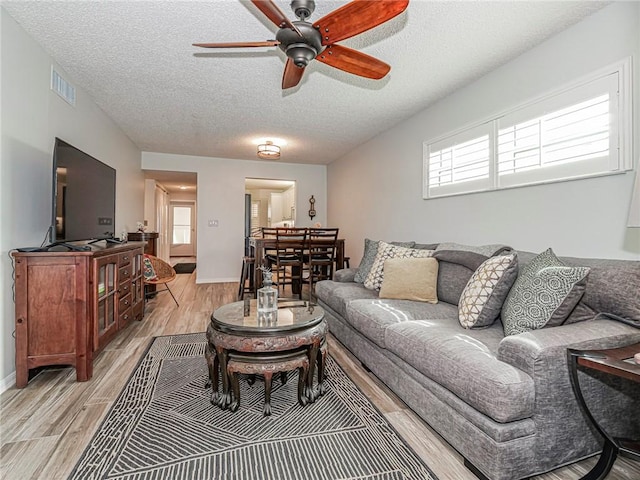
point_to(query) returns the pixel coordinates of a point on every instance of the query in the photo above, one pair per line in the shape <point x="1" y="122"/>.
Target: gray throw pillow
<point x="543" y="295"/>
<point x="369" y="256"/>
<point x="482" y="299"/>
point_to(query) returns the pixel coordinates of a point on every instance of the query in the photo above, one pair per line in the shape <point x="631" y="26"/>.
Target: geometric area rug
<point x="163" y="426"/>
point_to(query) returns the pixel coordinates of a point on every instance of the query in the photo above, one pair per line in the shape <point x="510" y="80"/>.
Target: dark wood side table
<point x="618" y="362"/>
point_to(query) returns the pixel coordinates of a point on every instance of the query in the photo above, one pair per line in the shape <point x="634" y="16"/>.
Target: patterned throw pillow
<point x="148" y="271"/>
<point x="543" y="295"/>
<point x="369" y="255"/>
<point x="386" y="251"/>
<point x="486" y="290"/>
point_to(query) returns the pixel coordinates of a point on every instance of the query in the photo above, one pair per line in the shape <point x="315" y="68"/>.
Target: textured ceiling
<point x="135" y="59"/>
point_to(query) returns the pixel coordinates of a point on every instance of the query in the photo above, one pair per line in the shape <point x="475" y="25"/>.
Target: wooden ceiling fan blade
<point x="268" y="43"/>
<point x="273" y="13"/>
<point x="353" y="61"/>
<point x="356" y="17"/>
<point x="292" y="74"/>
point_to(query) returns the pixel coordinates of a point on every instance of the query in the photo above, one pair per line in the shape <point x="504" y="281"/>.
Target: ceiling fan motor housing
<point x="300" y="49"/>
<point x="303" y="8"/>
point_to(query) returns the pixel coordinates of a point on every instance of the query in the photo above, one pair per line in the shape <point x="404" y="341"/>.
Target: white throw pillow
<point x="386" y="251"/>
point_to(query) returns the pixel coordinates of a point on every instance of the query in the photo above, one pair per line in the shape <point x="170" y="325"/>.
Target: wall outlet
<point x="213" y="223"/>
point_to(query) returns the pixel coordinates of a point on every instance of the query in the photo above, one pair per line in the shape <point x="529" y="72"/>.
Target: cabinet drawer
<point x="125" y="288"/>
<point x="125" y="317"/>
<point x="125" y="274"/>
<point x="124" y="259"/>
<point x="125" y="303"/>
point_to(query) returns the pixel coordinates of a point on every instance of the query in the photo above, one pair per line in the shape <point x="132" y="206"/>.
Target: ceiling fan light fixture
<point x="268" y="151"/>
<point x="301" y="54"/>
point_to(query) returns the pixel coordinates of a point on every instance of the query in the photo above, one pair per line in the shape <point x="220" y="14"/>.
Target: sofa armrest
<point x="542" y="354"/>
<point x="345" y="275"/>
<point x="549" y="345"/>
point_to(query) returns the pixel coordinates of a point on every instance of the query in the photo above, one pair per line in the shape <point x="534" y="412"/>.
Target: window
<point x="255" y="219"/>
<point x="461" y="163"/>
<point x="579" y="131"/>
<point x="181" y="225"/>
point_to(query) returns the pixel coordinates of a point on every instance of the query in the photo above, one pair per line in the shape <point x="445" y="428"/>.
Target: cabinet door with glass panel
<point x="106" y="292"/>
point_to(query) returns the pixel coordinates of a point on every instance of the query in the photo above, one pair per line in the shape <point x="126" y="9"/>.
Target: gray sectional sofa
<point x="504" y="402"/>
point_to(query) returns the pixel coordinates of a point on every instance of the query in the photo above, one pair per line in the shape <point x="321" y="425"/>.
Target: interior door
<point x="183" y="230"/>
<point x="162" y="223"/>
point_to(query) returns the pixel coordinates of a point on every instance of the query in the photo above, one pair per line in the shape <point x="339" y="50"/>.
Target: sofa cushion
<point x="454" y="272"/>
<point x="425" y="246"/>
<point x="372" y="317"/>
<point x="464" y="362"/>
<point x="484" y="250"/>
<point x="486" y="291"/>
<point x="410" y="279"/>
<point x="369" y="255"/>
<point x="457" y="264"/>
<point x="386" y="251"/>
<point x="345" y="275"/>
<point x="544" y="294"/>
<point x="337" y="295"/>
<point x="612" y="288"/>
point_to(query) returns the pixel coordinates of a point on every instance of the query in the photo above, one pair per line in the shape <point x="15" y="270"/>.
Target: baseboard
<point x="217" y="280"/>
<point x="8" y="382"/>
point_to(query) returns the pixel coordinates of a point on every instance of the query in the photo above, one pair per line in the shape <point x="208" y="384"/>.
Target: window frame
<point x="620" y="133"/>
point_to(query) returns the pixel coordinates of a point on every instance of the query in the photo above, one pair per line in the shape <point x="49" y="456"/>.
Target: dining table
<point x="259" y="246"/>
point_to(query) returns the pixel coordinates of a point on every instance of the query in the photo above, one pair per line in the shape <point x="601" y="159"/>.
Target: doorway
<point x="183" y="231"/>
<point x="272" y="203"/>
<point x="165" y="190"/>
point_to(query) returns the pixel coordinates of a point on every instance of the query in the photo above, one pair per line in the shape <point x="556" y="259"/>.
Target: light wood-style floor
<point x="45" y="427"/>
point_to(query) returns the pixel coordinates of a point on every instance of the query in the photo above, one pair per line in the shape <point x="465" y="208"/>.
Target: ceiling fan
<point x="302" y="41"/>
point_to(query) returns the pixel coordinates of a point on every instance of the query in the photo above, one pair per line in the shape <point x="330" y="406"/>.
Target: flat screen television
<point x="84" y="196"/>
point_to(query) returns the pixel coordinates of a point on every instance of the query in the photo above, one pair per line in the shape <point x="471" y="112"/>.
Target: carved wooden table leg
<point x="313" y="358"/>
<point x="322" y="358"/>
<point x="208" y="355"/>
<point x="213" y="364"/>
<point x="224" y="399"/>
<point x="235" y="404"/>
<point x="303" y="371"/>
<point x="266" y="411"/>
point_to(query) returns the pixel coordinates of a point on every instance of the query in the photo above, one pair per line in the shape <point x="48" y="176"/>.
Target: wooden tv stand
<point x="70" y="304"/>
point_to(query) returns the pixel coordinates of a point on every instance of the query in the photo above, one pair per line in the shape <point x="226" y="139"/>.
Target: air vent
<point x="63" y="88"/>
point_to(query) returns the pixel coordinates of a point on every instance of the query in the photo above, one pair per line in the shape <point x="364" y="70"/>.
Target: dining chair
<point x="321" y="255"/>
<point x="287" y="261"/>
<point x="246" y="276"/>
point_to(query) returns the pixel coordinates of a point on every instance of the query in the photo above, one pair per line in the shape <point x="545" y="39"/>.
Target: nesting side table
<point x="620" y="363"/>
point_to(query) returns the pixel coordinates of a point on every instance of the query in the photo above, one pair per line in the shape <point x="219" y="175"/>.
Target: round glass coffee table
<point x="241" y="341"/>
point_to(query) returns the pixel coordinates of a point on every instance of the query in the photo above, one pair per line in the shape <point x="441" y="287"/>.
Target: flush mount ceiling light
<point x="268" y="151"/>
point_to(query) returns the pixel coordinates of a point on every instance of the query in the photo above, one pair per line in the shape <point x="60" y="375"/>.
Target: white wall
<point x="221" y="189"/>
<point x="32" y="116"/>
<point x="581" y="218"/>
